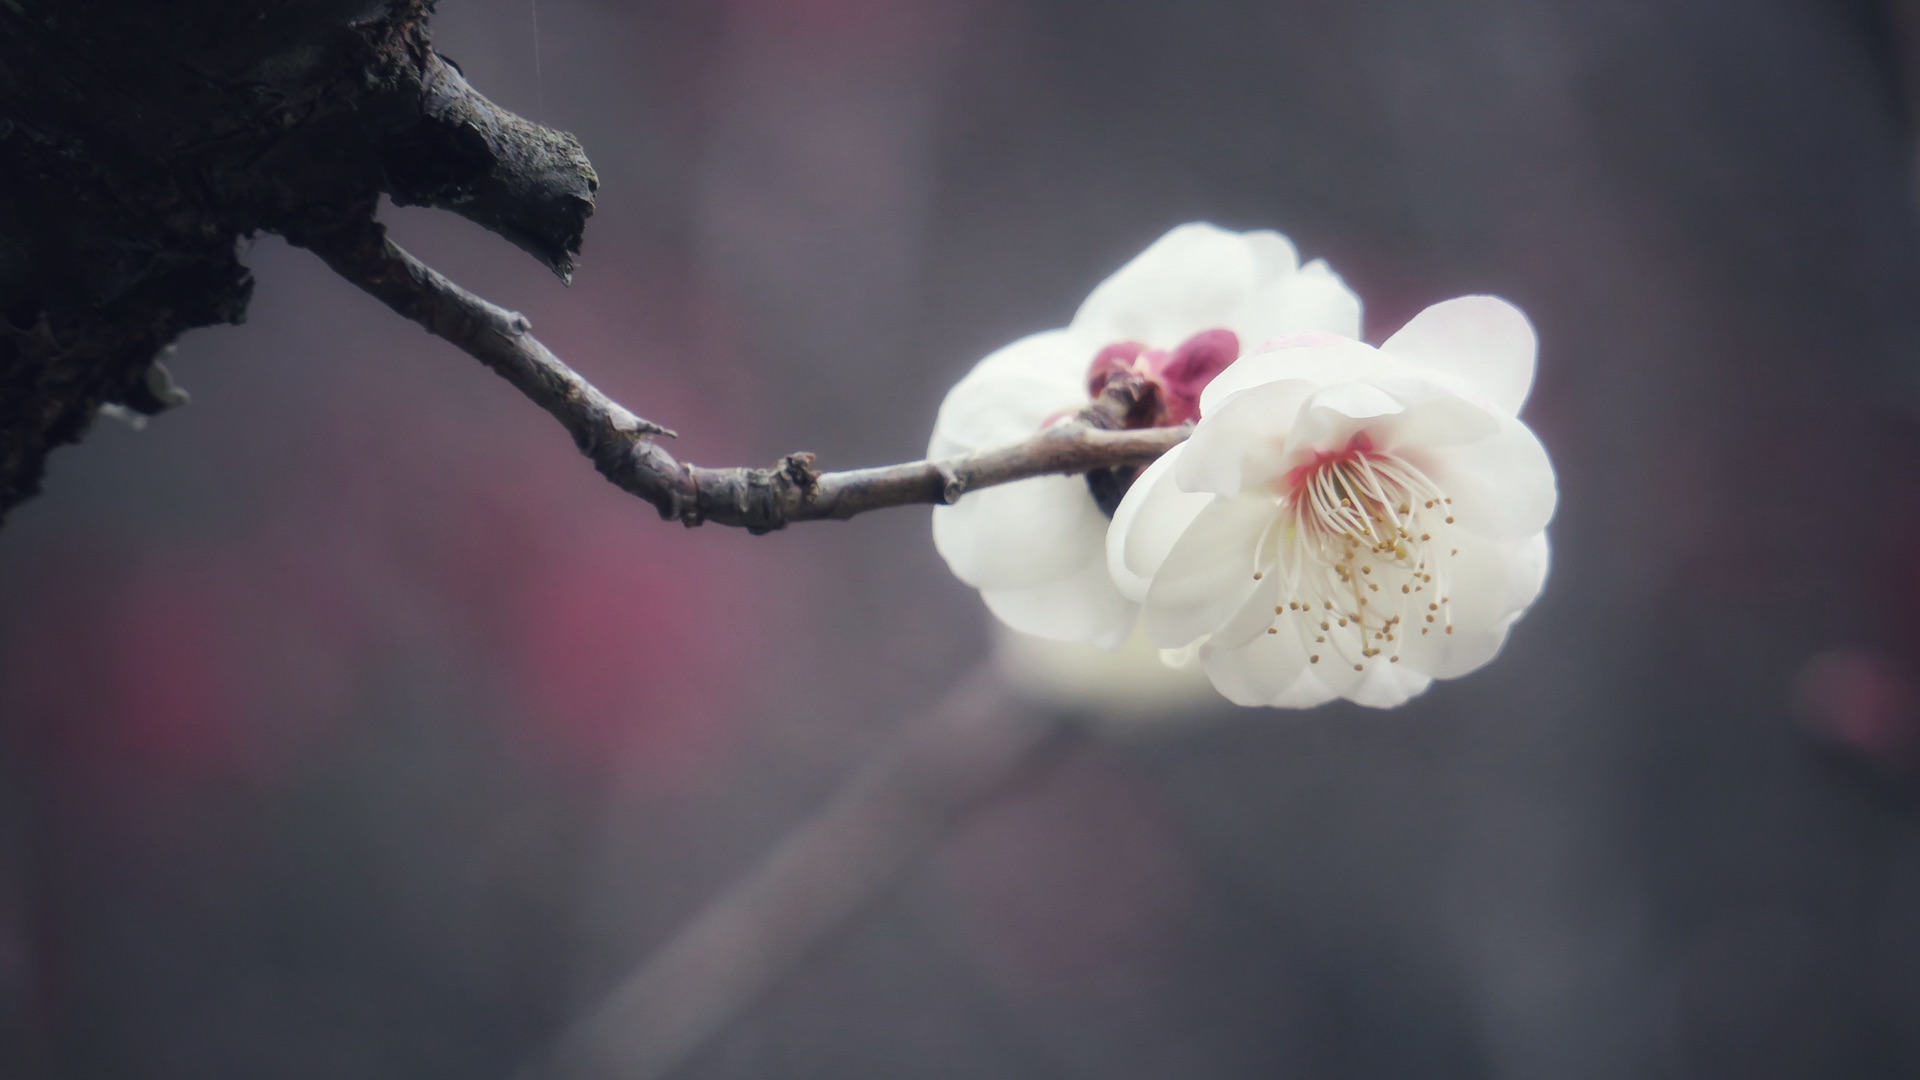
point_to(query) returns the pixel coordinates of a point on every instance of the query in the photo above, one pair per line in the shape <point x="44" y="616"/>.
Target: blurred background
<point x="352" y="726"/>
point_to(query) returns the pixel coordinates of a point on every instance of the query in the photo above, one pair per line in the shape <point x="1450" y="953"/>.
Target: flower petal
<point x="1255" y="616"/>
<point x="1012" y="393"/>
<point x="1196" y="277"/>
<point x="1274" y="256"/>
<point x="1492" y="584"/>
<point x="1285" y="298"/>
<point x="1335" y="669"/>
<point x="1388" y="685"/>
<point x="1208" y="574"/>
<point x="1433" y="416"/>
<point x="1306" y="692"/>
<point x="1482" y="342"/>
<point x="1241" y="446"/>
<point x="1330" y="419"/>
<point x="1314" y="299"/>
<point x="1148" y="522"/>
<point x="1262" y="671"/>
<point x="1019" y="534"/>
<point x="1081" y="606"/>
<point x="1278" y="670"/>
<point x="1502" y="486"/>
<point x="1317" y="361"/>
<point x="1489" y="586"/>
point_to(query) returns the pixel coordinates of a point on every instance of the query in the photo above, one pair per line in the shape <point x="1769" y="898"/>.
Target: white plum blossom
<point x="1348" y="521"/>
<point x="1177" y="315"/>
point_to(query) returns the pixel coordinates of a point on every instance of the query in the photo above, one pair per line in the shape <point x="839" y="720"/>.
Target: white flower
<point x="1178" y="314"/>
<point x="1348" y="521"/>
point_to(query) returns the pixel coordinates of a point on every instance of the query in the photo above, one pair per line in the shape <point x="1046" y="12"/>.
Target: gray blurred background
<point x="351" y="726"/>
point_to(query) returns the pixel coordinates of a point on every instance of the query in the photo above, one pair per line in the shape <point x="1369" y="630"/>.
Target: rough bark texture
<point x="140" y="141"/>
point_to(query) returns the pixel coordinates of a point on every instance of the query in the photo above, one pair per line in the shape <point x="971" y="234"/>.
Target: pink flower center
<point x="1361" y="545"/>
<point x="1174" y="379"/>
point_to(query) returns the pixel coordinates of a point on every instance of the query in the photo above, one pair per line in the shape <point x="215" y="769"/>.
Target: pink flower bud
<point x="1194" y="364"/>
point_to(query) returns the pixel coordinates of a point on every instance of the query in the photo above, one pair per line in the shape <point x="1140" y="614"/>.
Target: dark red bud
<point x="1193" y="366"/>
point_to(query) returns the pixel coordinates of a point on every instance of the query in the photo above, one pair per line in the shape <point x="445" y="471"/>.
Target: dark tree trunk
<point x="140" y="140"/>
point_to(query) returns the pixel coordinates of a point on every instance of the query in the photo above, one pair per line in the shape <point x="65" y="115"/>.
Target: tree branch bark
<point x="140" y="142"/>
<point x="625" y="447"/>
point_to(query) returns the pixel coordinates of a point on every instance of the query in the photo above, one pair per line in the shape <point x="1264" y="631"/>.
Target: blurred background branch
<point x="827" y="871"/>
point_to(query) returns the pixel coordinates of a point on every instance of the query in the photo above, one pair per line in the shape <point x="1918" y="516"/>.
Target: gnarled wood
<point x="139" y="142"/>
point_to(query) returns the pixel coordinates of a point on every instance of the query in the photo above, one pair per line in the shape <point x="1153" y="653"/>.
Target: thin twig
<point x="820" y="877"/>
<point x="624" y="447"/>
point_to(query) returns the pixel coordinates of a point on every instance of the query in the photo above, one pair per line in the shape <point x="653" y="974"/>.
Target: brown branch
<point x="624" y="447"/>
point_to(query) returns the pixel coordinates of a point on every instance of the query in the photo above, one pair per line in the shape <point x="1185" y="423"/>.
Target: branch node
<point x="682" y="501"/>
<point x="799" y="471"/>
<point x="952" y="485"/>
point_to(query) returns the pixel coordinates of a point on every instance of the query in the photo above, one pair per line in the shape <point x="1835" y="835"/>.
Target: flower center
<point x="1173" y="380"/>
<point x="1360" y="546"/>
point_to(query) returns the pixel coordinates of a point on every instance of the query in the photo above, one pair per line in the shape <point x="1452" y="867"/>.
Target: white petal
<point x="1489" y="586"/>
<point x="1020" y="534"/>
<point x="1196" y="277"/>
<point x="1241" y="444"/>
<point x="1332" y="417"/>
<point x="1482" y="342"/>
<point x="1433" y="417"/>
<point x="1502" y="486"/>
<point x="1388" y="685"/>
<point x="1011" y="393"/>
<point x="1277" y="670"/>
<point x="1285" y="300"/>
<point x="1058" y="355"/>
<point x="1459" y="653"/>
<point x="1336" y="673"/>
<point x="1255" y="615"/>
<point x="1320" y="364"/>
<point x="1208" y="574"/>
<point x="1492" y="584"/>
<point x="1306" y="692"/>
<point x="1314" y="299"/>
<point x="1274" y="256"/>
<point x="1082" y="606"/>
<point x="1148" y="522"/>
<point x="1266" y="670"/>
<point x="1358" y="400"/>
